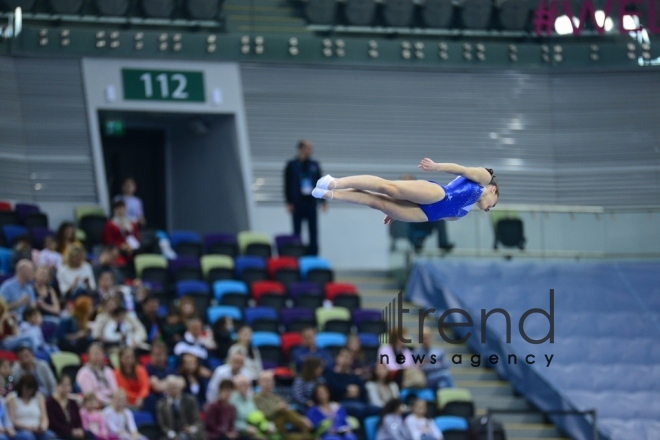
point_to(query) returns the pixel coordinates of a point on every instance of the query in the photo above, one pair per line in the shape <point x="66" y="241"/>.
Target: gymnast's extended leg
<point x="416" y="191"/>
<point x="401" y="210"/>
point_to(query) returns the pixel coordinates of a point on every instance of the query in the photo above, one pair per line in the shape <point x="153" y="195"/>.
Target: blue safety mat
<point x="606" y="350"/>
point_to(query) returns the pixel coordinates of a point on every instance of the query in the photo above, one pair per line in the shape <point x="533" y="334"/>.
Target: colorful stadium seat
<point x="186" y="243"/>
<point x="25" y="209"/>
<point x="219" y="243"/>
<point x="254" y="243"/>
<point x="296" y="319"/>
<point x="216" y="312"/>
<point x="446" y="423"/>
<point x="327" y="339"/>
<point x="217" y="267"/>
<point x="61" y="359"/>
<point x="308" y="263"/>
<point x="289" y="341"/>
<point x="143" y="261"/>
<point x="250" y="268"/>
<point x="283" y="269"/>
<point x="334" y="289"/>
<point x="81" y="211"/>
<point x="224" y="287"/>
<point x="13" y="232"/>
<point x="290" y="246"/>
<point x="192" y="287"/>
<point x="370" y="424"/>
<point x="328" y="315"/>
<point x="5" y="261"/>
<point x="184" y="268"/>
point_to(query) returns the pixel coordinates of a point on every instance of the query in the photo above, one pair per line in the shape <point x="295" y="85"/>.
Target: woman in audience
<point x="244" y="345"/>
<point x="134" y="210"/>
<point x="381" y="389"/>
<point x="64" y="413"/>
<point x="73" y="333"/>
<point x="92" y="418"/>
<point x="119" y="419"/>
<point x="223" y="335"/>
<point x="6" y="379"/>
<point x="95" y="377"/>
<point x="104" y="315"/>
<point x="302" y="390"/>
<point x="27" y="410"/>
<point x="124" y="330"/>
<point x="120" y="231"/>
<point x="187" y="309"/>
<point x="47" y="300"/>
<point x="387" y="354"/>
<point x="9" y="337"/>
<point x="420" y="426"/>
<point x="65" y="237"/>
<point x="196" y="383"/>
<point x="361" y="365"/>
<point x="329" y="418"/>
<point x="391" y="425"/>
<point x="75" y="277"/>
<point x="132" y="378"/>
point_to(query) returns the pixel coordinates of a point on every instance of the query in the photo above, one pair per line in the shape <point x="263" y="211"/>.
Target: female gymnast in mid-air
<point x="416" y="200"/>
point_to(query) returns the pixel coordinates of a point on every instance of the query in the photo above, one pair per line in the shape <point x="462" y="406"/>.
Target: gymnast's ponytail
<point x="493" y="181"/>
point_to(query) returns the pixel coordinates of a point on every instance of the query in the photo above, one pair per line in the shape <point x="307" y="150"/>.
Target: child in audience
<point x="49" y="256"/>
<point x="6" y="378"/>
<point x="421" y="427"/>
<point x="92" y="418"/>
<point x="31" y="326"/>
<point x="119" y="419"/>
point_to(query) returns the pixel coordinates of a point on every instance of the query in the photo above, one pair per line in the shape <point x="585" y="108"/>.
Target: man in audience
<point x="243" y="401"/>
<point x="192" y="340"/>
<point x="221" y="415"/>
<point x="308" y="348"/>
<point x="300" y="176"/>
<point x="437" y="374"/>
<point x="234" y="367"/>
<point x="148" y="316"/>
<point x="177" y="413"/>
<point x="27" y="363"/>
<point x="158" y="370"/>
<point x="348" y="388"/>
<point x="17" y="290"/>
<point x="276" y="409"/>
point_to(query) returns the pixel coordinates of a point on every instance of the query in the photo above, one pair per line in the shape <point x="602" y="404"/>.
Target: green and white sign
<point x="163" y="85"/>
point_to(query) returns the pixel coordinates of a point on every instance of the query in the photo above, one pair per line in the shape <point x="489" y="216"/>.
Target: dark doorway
<point x="139" y="153"/>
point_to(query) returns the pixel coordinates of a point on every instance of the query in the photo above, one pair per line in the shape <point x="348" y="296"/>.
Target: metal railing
<point x="492" y="411"/>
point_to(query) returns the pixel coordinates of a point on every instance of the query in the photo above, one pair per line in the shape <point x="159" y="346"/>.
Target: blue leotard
<point x="460" y="195"/>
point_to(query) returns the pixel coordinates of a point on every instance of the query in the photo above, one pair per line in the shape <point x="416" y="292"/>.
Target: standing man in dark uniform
<point x="300" y="178"/>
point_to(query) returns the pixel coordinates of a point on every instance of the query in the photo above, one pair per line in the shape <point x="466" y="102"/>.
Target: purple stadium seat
<point x="296" y="314"/>
<point x="185" y="267"/>
<point x="38" y="235"/>
<point x="25" y="209"/>
<point x="363" y="315"/>
<point x="304" y="288"/>
<point x="221" y="243"/>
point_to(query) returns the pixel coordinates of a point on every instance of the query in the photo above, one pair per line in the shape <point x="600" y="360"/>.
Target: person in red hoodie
<point x="120" y="231"/>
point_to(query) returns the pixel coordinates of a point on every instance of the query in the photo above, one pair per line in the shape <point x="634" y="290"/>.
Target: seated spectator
<point x="73" y="333"/>
<point x="22" y="250"/>
<point x="361" y="365"/>
<point x="31" y="327"/>
<point x="148" y="316"/>
<point x="435" y="365"/>
<point x="302" y="390"/>
<point x="308" y="348"/>
<point x="120" y="231"/>
<point x="134" y="210"/>
<point x="64" y="413"/>
<point x="26" y="363"/>
<point x="6" y="378"/>
<point x="419" y="426"/>
<point x="187" y="309"/>
<point x="173" y="327"/>
<point x="75" y="277"/>
<point x="17" y="291"/>
<point x="92" y="418"/>
<point x="108" y="261"/>
<point x="221" y="415"/>
<point x="104" y="315"/>
<point x="124" y="330"/>
<point x="224" y="336"/>
<point x="65" y="237"/>
<point x="119" y="419"/>
<point x="132" y="378"/>
<point x="192" y="341"/>
<point x="328" y="417"/>
<point x="48" y="302"/>
<point x="381" y="388"/>
<point x="96" y="377"/>
<point x="48" y="256"/>
<point x="347" y="388"/>
<point x="158" y="369"/>
<point x="27" y="410"/>
<point x="178" y="414"/>
<point x="196" y="382"/>
<point x="387" y="353"/>
<point x="10" y="339"/>
<point x="6" y="429"/>
<point x="106" y="288"/>
<point x="243" y="400"/>
<point x="234" y="367"/>
<point x="391" y="425"/>
<point x="244" y="346"/>
<point x="276" y="409"/>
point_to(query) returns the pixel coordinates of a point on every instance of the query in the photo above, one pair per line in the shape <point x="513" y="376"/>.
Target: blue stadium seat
<point x="308" y="263"/>
<point x="329" y="339"/>
<point x="223" y="287"/>
<point x="143" y="418"/>
<point x="369" y="340"/>
<point x="191" y="287"/>
<point x="424" y="394"/>
<point x="265" y="338"/>
<point x="177" y="237"/>
<point x="5" y="261"/>
<point x="12" y="232"/>
<point x="248" y="262"/>
<point x="370" y="424"/>
<point x="445" y="423"/>
<point x="254" y="313"/>
<point x="217" y="312"/>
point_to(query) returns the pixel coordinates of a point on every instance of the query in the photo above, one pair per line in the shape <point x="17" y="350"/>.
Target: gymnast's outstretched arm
<point x="475" y="174"/>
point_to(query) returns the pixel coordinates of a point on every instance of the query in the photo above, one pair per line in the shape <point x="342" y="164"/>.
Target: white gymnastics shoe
<point x="325" y="181"/>
<point x="319" y="193"/>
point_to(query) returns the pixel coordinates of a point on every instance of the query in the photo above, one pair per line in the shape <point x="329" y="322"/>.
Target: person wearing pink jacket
<point x="96" y="377"/>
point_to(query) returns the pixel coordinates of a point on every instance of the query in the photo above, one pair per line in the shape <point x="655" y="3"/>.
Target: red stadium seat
<point x="289" y="340"/>
<point x="5" y="206"/>
<point x="275" y="264"/>
<point x="7" y="355"/>
<point x="261" y="288"/>
<point x="333" y="289"/>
